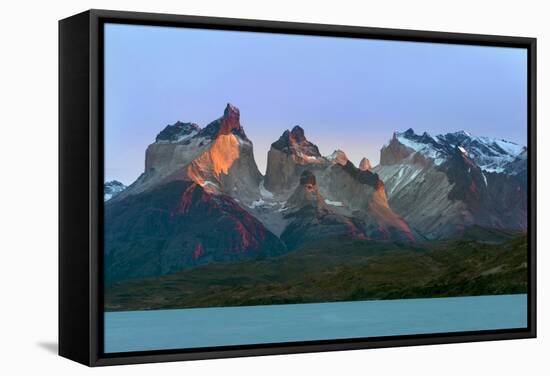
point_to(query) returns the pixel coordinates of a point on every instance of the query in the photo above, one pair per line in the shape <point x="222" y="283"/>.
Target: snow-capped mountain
<point x="491" y="155"/>
<point x="201" y="197"/>
<point x="218" y="157"/>
<point x="177" y="132"/>
<point x="446" y="183"/>
<point x="112" y="189"/>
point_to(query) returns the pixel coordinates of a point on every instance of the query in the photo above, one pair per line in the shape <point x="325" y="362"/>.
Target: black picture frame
<point x="81" y="186"/>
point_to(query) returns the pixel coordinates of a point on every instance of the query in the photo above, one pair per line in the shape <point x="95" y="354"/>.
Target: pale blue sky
<point x="346" y="93"/>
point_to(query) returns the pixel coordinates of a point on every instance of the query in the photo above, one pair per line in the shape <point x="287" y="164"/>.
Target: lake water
<point x="204" y="327"/>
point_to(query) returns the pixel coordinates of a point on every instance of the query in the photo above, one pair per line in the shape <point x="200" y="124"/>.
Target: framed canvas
<point x="236" y="187"/>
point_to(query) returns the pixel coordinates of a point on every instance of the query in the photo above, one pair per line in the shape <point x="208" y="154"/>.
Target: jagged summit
<point x="338" y="156"/>
<point x="227" y="165"/>
<point x="295" y="142"/>
<point x="457" y="174"/>
<point x="491" y="155"/>
<point x="184" y="131"/>
<point x="177" y="132"/>
<point x="365" y="165"/>
<point x="230" y="120"/>
<point x="461" y="133"/>
<point x="231" y="110"/>
<point x="297" y="134"/>
<point x="218" y="157"/>
<point x="288" y="157"/>
<point x="469" y="178"/>
<point x="362" y="176"/>
<point x="409" y="132"/>
<point x="229" y="123"/>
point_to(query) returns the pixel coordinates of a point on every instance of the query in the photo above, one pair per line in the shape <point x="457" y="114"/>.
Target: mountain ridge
<point x="456" y="191"/>
<point x="424" y="188"/>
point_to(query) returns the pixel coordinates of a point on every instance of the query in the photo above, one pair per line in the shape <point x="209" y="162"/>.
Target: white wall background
<point x="28" y="189"/>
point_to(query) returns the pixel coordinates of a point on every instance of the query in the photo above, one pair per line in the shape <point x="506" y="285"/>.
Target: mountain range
<point x="202" y="199"/>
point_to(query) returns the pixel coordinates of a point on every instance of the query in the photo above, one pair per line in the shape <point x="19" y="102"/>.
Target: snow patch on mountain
<point x="334" y="203"/>
<point x="397" y="177"/>
<point x="264" y="192"/>
<point x="427" y="149"/>
<point x="177" y="132"/>
<point x="491" y="155"/>
<point x="112" y="189"/>
<point x="209" y="183"/>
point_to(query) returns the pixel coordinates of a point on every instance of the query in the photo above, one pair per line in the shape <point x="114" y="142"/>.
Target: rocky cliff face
<point x="361" y="194"/>
<point x="348" y="191"/>
<point x="307" y="194"/>
<point x="228" y="164"/>
<point x="219" y="158"/>
<point x="310" y="218"/>
<point x="287" y="158"/>
<point x="191" y="205"/>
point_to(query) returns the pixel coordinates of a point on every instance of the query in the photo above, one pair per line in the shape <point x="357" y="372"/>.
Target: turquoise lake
<point x="206" y="327"/>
